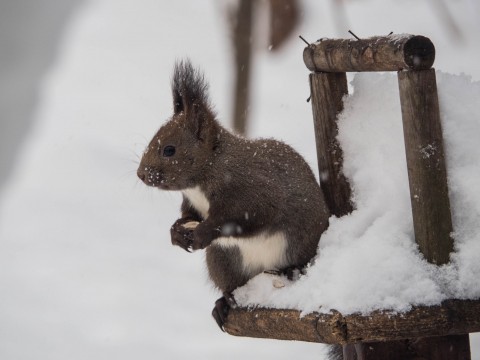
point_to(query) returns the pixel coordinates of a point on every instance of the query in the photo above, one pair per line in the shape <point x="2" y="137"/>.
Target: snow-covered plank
<point x="452" y="317"/>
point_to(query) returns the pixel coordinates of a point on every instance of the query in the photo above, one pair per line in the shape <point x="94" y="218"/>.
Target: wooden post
<point x="431" y="211"/>
<point x="426" y="164"/>
<point x="327" y="91"/>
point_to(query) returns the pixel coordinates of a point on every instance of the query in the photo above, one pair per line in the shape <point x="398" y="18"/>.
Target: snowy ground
<point x="86" y="265"/>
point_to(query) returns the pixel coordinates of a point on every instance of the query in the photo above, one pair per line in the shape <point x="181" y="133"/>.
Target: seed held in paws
<point x="191" y="225"/>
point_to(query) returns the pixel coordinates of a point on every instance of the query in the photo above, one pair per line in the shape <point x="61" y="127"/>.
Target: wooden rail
<point x="452" y="317"/>
<point x="387" y="53"/>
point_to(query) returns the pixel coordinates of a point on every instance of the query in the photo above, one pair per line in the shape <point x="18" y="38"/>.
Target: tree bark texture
<point x="426" y="164"/>
<point x="452" y="317"/>
<point x="327" y="91"/>
<point x="387" y="53"/>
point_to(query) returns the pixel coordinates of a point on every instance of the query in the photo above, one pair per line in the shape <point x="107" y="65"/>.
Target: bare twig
<point x="355" y="36"/>
<point x="305" y="41"/>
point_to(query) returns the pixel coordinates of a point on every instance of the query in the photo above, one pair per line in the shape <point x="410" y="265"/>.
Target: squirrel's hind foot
<point x="221" y="309"/>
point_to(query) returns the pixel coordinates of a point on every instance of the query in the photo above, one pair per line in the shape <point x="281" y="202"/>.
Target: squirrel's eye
<point x="169" y="150"/>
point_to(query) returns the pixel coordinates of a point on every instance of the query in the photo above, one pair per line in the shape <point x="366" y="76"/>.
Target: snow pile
<point x="368" y="260"/>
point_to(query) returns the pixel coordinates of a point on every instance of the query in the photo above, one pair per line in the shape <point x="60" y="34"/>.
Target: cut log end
<point x="419" y="53"/>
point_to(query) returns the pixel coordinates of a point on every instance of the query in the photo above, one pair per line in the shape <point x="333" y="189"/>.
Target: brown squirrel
<point x="254" y="205"/>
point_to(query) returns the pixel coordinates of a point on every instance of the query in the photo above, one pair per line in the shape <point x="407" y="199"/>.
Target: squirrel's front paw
<point x="198" y="243"/>
<point x="201" y="239"/>
<point x="203" y="235"/>
<point x="181" y="233"/>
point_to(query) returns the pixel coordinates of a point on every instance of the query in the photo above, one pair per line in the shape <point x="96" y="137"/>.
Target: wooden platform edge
<point x="452" y="317"/>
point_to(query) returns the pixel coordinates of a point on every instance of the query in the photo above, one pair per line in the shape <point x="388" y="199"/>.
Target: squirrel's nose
<point x="141" y="175"/>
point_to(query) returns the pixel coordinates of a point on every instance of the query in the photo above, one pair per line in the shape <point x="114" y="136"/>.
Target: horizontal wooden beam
<point x="452" y="317"/>
<point x="379" y="53"/>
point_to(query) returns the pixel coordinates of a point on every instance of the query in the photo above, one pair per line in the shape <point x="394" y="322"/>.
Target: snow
<point x="86" y="265"/>
<point x="368" y="260"/>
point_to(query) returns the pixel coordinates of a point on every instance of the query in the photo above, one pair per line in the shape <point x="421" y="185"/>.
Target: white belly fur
<point x="260" y="252"/>
<point x="198" y="200"/>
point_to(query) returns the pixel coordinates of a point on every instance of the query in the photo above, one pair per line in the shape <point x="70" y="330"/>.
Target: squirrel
<point x="253" y="205"/>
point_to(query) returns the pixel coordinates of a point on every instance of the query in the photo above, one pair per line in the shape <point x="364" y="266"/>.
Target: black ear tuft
<point x="177" y="102"/>
<point x="188" y="87"/>
<point x="190" y="95"/>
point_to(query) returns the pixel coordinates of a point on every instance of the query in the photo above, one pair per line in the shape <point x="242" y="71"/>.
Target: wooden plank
<point x="379" y="53"/>
<point x="275" y="324"/>
<point x="452" y="317"/>
<point x="327" y="90"/>
<point x="426" y="164"/>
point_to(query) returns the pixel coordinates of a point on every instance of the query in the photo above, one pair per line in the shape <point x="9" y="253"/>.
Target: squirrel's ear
<point x="198" y="120"/>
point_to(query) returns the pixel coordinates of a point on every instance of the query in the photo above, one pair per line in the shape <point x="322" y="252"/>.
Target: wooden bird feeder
<point x="425" y="332"/>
